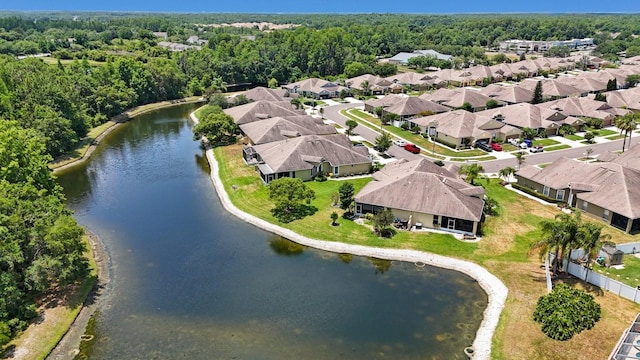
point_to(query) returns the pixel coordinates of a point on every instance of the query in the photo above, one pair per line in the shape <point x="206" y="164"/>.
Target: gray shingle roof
<point x="296" y="154"/>
<point x="424" y="187"/>
<point x="281" y="128"/>
<point x="258" y="110"/>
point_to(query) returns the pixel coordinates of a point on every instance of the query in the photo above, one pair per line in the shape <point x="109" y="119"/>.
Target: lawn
<point x="574" y="137"/>
<point x="502" y="250"/>
<point x="604" y="132"/>
<point x="629" y="275"/>
<point x="557" y="147"/>
<point x="545" y="142"/>
<point x="615" y="137"/>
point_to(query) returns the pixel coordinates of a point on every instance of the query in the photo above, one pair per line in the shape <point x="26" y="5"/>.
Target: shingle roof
<point x="279" y="128"/>
<point x="258" y="110"/>
<point x="424" y="187"/>
<point x="263" y="93"/>
<point x="300" y="153"/>
<point x="473" y="97"/>
<point x="608" y="185"/>
<point x="630" y="158"/>
<point x="408" y="106"/>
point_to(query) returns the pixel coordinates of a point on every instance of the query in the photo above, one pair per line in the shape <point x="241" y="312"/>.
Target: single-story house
<point x="607" y="191"/>
<point x="525" y="115"/>
<point x="263" y="93"/>
<point x="368" y="83"/>
<point x="585" y="107"/>
<point x="260" y="110"/>
<point x="402" y="58"/>
<point x="315" y="88"/>
<point x="305" y="157"/>
<point x="282" y="128"/>
<point x="424" y="194"/>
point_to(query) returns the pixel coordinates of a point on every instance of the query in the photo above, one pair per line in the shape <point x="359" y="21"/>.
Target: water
<point x="191" y="281"/>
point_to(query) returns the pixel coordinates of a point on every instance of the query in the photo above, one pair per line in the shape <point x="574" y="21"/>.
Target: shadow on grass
<point x="289" y="214"/>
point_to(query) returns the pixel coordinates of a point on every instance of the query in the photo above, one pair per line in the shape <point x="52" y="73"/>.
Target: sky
<point x="331" y="6"/>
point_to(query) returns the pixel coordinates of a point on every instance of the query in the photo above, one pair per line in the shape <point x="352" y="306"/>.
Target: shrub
<point x="566" y="312"/>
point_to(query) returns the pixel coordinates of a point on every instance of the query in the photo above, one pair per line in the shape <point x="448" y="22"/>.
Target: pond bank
<point x="495" y="289"/>
<point x="117" y="121"/>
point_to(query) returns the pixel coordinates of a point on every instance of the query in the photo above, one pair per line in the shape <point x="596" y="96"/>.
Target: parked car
<point x="484" y="146"/>
<point x="412" y="148"/>
<point x="496" y="146"/>
<point x="399" y="142"/>
<point x="536" y="149"/>
<point x="528" y="142"/>
<point x="523" y="145"/>
<point x="514" y="141"/>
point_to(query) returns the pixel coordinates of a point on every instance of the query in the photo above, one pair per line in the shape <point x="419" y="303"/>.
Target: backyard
<point x="502" y="250"/>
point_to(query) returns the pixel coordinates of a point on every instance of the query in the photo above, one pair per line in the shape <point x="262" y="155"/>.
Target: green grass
<point x="630" y="275"/>
<point x="615" y="137"/>
<point x="542" y="166"/>
<point x="545" y="142"/>
<point x="605" y="132"/>
<point x="481" y="158"/>
<point x="574" y="137"/>
<point x="557" y="147"/>
<point x="53" y="61"/>
<point x="508" y="147"/>
<point x="251" y="196"/>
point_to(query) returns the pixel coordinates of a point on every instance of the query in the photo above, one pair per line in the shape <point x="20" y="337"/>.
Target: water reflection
<point x="282" y="246"/>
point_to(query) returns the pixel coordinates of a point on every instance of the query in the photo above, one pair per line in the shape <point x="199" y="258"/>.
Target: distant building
<point x="403" y="57"/>
<point x="542" y="46"/>
<point x="161" y="34"/>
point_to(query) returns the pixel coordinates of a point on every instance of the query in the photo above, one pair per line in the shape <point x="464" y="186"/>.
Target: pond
<point x="189" y="280"/>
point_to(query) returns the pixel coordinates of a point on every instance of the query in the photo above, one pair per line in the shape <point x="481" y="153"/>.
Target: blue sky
<point x="332" y="6"/>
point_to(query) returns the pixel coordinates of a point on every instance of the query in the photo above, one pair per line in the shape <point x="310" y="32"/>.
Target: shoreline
<point x="121" y="119"/>
<point x="494" y="288"/>
<point x="69" y="345"/>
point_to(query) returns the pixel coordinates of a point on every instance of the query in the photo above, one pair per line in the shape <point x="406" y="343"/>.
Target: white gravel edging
<point x="495" y="289"/>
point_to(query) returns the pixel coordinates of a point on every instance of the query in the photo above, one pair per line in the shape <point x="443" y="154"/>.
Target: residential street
<point x="332" y="112"/>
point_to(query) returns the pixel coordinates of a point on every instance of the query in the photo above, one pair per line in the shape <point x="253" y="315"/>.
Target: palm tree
<point x="520" y="155"/>
<point x="366" y="86"/>
<point x="297" y="102"/>
<point x="626" y="124"/>
<point x="592" y="239"/>
<point x="506" y="173"/>
<point x="471" y="172"/>
<point x="559" y="234"/>
<point x="383" y="142"/>
<point x="351" y="124"/>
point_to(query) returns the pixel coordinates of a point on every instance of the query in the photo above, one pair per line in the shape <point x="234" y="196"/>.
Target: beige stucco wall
<point x="530" y="184"/>
<point x="305" y="175"/>
<point x="450" y="139"/>
<point x="347" y="170"/>
<point x="425" y="219"/>
<point x="594" y="211"/>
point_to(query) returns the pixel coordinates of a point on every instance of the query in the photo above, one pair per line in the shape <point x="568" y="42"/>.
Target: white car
<point x="523" y="145"/>
<point x="514" y="141"/>
<point x="399" y="142"/>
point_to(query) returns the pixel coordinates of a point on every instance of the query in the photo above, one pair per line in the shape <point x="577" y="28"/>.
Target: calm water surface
<point x="191" y="281"/>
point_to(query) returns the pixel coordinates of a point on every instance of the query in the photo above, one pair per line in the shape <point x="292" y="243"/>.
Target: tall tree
<point x="537" y="93"/>
<point x="471" y="172"/>
<point x="506" y="173"/>
<point x="627" y="123"/>
<point x="290" y="195"/>
<point x="346" y="191"/>
<point x="591" y="239"/>
<point x="383" y="142"/>
<point x="351" y="124"/>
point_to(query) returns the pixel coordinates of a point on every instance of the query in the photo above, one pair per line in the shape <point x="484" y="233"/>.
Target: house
<point x="475" y="98"/>
<point x="607" y="191"/>
<point x="375" y="84"/>
<point x="414" y="80"/>
<point x="406" y="107"/>
<point x="282" y="128"/>
<point x="402" y="58"/>
<point x="552" y="89"/>
<point x="263" y="93"/>
<point x="586" y="84"/>
<point x="628" y="98"/>
<point x="585" y="108"/>
<point x="525" y="115"/>
<point x="461" y="129"/>
<point x="424" y="194"/>
<point x="260" y="110"/>
<point x="305" y="157"/>
<point x="315" y="88"/>
<point x="629" y="158"/>
<point x="515" y="94"/>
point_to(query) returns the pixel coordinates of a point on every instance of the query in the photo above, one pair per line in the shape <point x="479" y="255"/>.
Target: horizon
<point x="311" y="7"/>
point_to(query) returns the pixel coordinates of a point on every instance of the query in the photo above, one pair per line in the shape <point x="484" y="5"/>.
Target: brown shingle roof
<point x="424" y="187"/>
<point x="258" y="110"/>
<point x="279" y="128"/>
<point x="263" y="93"/>
<point x="296" y="154"/>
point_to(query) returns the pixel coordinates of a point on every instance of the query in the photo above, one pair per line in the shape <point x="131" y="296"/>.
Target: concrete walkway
<point x="495" y="289"/>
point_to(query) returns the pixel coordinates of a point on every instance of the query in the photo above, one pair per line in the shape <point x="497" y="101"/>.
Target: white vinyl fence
<point x="604" y="282"/>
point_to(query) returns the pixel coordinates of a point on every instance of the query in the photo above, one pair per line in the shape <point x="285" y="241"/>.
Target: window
<point x="545" y="190"/>
<point x="436" y="220"/>
<point x="560" y="195"/>
<point x="605" y="215"/>
<point x="584" y="206"/>
<point x="336" y="170"/>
